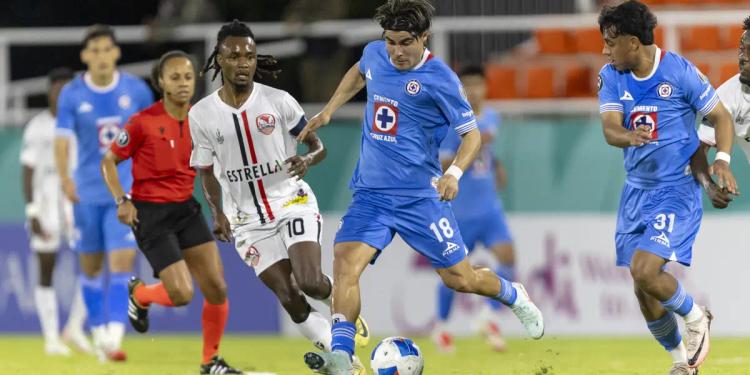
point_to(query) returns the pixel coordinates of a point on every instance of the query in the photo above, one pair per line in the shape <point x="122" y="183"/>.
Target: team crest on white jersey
<point x="266" y="123"/>
<point x="664" y="90"/>
<point x="252" y="256"/>
<point x="413" y="87"/>
<point x="124" y="102"/>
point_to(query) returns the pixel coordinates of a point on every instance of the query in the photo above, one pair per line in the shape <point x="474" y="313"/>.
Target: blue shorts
<point x="97" y="229"/>
<point x="661" y="221"/>
<point x="489" y="229"/>
<point x="425" y="224"/>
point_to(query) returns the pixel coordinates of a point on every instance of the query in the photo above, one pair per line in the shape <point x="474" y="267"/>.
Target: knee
<point x="642" y="277"/>
<point x="216" y="291"/>
<point x="181" y="296"/>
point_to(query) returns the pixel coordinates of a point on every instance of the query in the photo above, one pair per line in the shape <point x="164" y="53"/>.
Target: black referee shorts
<point x="165" y="229"/>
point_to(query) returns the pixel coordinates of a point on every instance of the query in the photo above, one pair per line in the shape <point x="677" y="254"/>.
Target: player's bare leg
<point x="46" y="306"/>
<point x="350" y="260"/>
<point x="305" y="262"/>
<point x="648" y="275"/>
<point x="462" y="277"/>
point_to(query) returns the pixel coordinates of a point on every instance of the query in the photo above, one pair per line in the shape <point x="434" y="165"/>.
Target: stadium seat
<point x="540" y="82"/>
<point x="659" y="36"/>
<point x="578" y="82"/>
<point x="700" y="38"/>
<point x="587" y="41"/>
<point x="554" y="41"/>
<point x="501" y="82"/>
<point x="728" y="70"/>
<point x="731" y="39"/>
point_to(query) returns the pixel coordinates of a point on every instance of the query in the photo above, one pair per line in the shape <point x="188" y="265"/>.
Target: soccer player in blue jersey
<point x="413" y="101"/>
<point x="648" y="102"/>
<point x="478" y="210"/>
<point x="93" y="108"/>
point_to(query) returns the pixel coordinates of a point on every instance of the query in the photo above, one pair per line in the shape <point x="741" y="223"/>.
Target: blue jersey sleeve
<point x="609" y="100"/>
<point x="66" y="111"/>
<point x="451" y="99"/>
<point x="449" y="145"/>
<point x="145" y="95"/>
<point x="698" y="90"/>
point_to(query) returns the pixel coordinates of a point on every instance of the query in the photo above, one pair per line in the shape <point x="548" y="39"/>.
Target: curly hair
<point x="414" y="16"/>
<point x="267" y="64"/>
<point x="629" y="18"/>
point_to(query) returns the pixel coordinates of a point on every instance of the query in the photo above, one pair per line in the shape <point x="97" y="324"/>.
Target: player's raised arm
<point x="349" y="86"/>
<point x="724" y="130"/>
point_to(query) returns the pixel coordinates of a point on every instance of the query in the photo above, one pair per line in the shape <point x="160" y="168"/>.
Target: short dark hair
<point x="159" y="66"/>
<point x="60" y="74"/>
<point x="471" y="70"/>
<point x="414" y="16"/>
<point x="629" y="18"/>
<point x="746" y="23"/>
<point x="267" y="64"/>
<point x="96" y="31"/>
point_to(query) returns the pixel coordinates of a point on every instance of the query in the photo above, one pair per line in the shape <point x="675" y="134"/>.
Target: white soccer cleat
<point x="698" y="338"/>
<point x="57" y="348"/>
<point x="682" y="369"/>
<point x="357" y="366"/>
<point x="76" y="339"/>
<point x="337" y="362"/>
<point x="527" y="312"/>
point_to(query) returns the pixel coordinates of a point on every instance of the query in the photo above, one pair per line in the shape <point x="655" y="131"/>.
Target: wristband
<point x="721" y="155"/>
<point x="455" y="172"/>
<point x="122" y="199"/>
<point x="32" y="210"/>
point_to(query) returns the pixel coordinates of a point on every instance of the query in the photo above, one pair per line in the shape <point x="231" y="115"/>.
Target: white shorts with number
<point x="262" y="246"/>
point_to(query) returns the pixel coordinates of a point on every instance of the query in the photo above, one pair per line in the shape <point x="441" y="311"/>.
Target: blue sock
<point x="504" y="272"/>
<point x="92" y="289"/>
<point x="507" y="293"/>
<point x="117" y="297"/>
<point x="665" y="331"/>
<point x="680" y="303"/>
<point x="343" y="335"/>
<point x="445" y="301"/>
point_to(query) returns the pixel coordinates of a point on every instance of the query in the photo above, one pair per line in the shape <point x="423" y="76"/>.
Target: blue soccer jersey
<point x="666" y="101"/>
<point x="95" y="116"/>
<point x="408" y="114"/>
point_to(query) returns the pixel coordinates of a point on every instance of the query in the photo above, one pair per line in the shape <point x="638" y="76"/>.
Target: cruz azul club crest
<point x="266" y="123"/>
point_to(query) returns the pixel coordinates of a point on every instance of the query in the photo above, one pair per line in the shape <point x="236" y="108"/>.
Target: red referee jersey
<point x="160" y="147"/>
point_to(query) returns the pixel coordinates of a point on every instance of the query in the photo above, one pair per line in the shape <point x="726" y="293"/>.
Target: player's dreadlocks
<point x="629" y="18"/>
<point x="746" y="24"/>
<point x="266" y="63"/>
<point x="414" y="16"/>
<point x="159" y="66"/>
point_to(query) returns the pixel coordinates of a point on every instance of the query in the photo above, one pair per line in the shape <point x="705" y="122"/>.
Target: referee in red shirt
<point x="166" y="220"/>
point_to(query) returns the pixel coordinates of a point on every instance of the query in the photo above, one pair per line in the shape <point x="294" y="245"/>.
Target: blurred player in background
<point x="245" y="148"/>
<point x="648" y="102"/>
<point x="49" y="216"/>
<point x="166" y="220"/>
<point x="413" y="100"/>
<point x="478" y="210"/>
<point x="93" y="107"/>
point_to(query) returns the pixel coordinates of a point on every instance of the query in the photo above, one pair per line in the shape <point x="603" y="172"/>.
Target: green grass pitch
<point x="166" y="355"/>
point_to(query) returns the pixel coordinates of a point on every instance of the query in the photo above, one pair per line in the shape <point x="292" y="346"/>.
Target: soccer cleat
<point x="444" y="341"/>
<point x="56" y="348"/>
<point x="218" y="366"/>
<point x="117" y="355"/>
<point x="337" y="362"/>
<point x="494" y="337"/>
<point x="76" y="339"/>
<point x="682" y="369"/>
<point x="137" y="314"/>
<point x="697" y="338"/>
<point x="527" y="312"/>
<point x="362" y="338"/>
<point x="357" y="366"/>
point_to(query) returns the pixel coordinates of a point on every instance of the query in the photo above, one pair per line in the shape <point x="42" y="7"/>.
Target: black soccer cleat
<point x="314" y="361"/>
<point x="137" y="314"/>
<point x="218" y="366"/>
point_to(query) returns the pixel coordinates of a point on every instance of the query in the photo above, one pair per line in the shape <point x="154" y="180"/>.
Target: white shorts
<point x="57" y="224"/>
<point x="262" y="246"/>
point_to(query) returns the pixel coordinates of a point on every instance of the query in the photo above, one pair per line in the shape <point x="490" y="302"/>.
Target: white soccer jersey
<point x="250" y="145"/>
<point x="37" y="152"/>
<point x="736" y="98"/>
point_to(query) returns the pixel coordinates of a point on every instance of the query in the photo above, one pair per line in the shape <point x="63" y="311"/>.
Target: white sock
<point x="679" y="354"/>
<point x="694" y="314"/>
<point x="100" y="335"/>
<point x="46" y="309"/>
<point x="317" y="329"/>
<point x="77" y="315"/>
<point x="116" y="331"/>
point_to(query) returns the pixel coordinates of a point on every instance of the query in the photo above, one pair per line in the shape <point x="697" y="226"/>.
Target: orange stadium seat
<point x="540" y="82"/>
<point x="554" y="41"/>
<point x="731" y="39"/>
<point x="728" y="70"/>
<point x="578" y="82"/>
<point x="587" y="41"/>
<point x="659" y="36"/>
<point x="700" y="38"/>
<point x="501" y="82"/>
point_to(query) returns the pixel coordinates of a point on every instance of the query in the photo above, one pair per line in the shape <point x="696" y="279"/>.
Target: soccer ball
<point x="397" y="356"/>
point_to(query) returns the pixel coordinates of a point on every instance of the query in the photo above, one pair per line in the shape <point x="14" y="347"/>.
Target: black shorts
<point x="165" y="229"/>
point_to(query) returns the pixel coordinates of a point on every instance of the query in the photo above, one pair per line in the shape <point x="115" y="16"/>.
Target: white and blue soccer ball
<point x="397" y="356"/>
